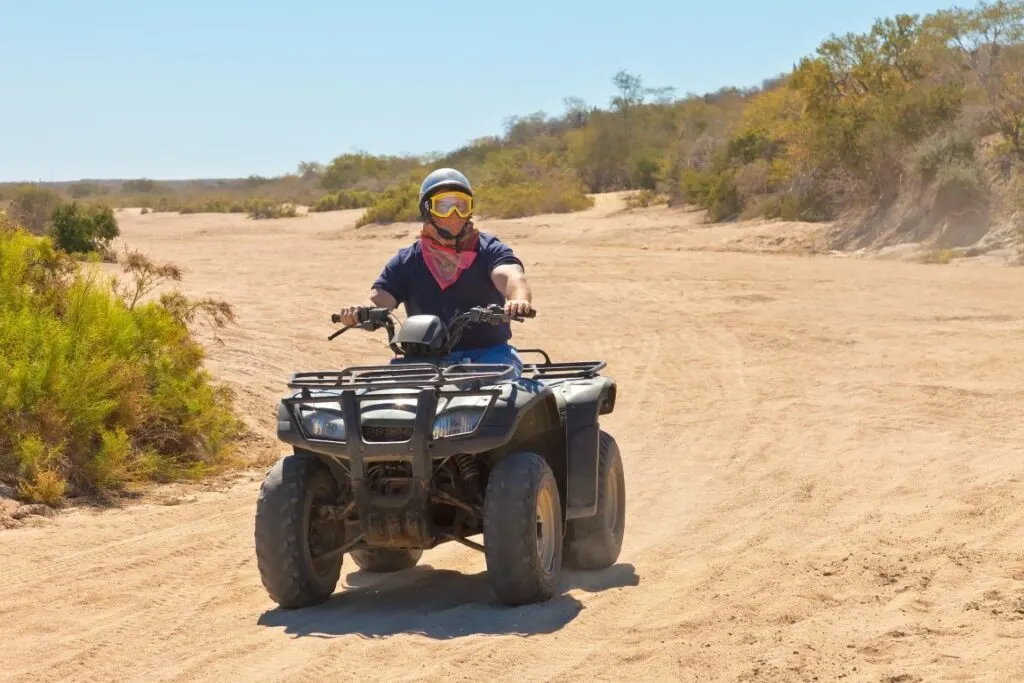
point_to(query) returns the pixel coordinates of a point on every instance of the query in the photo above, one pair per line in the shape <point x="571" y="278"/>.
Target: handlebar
<point x="492" y="314"/>
<point x="375" y="316"/>
<point x="372" y="319"/>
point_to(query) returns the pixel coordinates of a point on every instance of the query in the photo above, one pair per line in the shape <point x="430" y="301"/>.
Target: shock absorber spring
<point x="470" y="472"/>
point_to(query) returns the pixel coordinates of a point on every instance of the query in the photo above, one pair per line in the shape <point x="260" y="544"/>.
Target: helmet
<point x="444" y="178"/>
<point x="436" y="181"/>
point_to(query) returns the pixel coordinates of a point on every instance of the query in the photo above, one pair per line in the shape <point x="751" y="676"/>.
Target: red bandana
<point x="444" y="263"/>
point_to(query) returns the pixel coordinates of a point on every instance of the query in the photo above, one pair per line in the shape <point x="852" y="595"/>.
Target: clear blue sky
<point x="184" y="89"/>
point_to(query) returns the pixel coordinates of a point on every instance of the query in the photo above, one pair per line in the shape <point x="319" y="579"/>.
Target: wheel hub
<point x="546" y="520"/>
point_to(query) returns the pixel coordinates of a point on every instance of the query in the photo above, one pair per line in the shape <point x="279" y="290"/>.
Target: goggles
<point x="444" y="204"/>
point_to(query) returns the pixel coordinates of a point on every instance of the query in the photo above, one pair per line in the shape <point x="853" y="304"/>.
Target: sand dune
<point x="823" y="461"/>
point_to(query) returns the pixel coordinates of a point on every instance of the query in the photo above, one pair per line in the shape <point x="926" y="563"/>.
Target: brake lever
<point x="338" y="332"/>
<point x="364" y="325"/>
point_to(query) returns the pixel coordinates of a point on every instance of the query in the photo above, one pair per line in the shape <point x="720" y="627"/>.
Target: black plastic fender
<point x="581" y="402"/>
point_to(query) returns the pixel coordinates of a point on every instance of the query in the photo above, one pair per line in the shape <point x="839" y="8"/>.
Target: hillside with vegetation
<point x="913" y="129"/>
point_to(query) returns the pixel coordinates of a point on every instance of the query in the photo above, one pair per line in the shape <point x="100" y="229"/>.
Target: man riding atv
<point x="393" y="459"/>
<point x="451" y="268"/>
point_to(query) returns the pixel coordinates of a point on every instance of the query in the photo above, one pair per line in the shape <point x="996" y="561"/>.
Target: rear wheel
<point x="385" y="560"/>
<point x="595" y="542"/>
<point x="291" y="540"/>
<point x="523" y="529"/>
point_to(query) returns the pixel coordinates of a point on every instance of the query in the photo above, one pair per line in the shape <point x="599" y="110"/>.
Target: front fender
<point x="584" y="400"/>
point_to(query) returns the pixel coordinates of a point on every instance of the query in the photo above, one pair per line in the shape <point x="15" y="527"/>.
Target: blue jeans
<point x="501" y="354"/>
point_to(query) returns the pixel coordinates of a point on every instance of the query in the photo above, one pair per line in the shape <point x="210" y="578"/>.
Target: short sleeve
<point x="394" y="279"/>
<point x="497" y="253"/>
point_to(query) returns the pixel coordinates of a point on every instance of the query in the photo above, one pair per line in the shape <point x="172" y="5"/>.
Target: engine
<point x="389" y="478"/>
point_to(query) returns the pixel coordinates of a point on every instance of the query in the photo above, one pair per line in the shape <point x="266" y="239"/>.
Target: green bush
<point x="533" y="197"/>
<point x="713" y="190"/>
<point x="395" y="205"/>
<point x="345" y="199"/>
<point x="264" y="209"/>
<point x="521" y="182"/>
<point x="79" y="230"/>
<point x="98" y="388"/>
<point x="945" y="148"/>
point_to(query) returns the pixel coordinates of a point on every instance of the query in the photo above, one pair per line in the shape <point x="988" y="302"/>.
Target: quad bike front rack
<point x="400" y="376"/>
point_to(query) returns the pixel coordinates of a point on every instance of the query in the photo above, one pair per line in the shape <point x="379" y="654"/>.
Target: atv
<point x="391" y="460"/>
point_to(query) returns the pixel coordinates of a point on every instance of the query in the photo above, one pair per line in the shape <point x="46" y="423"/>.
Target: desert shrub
<point x="394" y="205"/>
<point x="345" y="199"/>
<point x="713" y="189"/>
<point x="255" y="207"/>
<point x="212" y="204"/>
<point x="941" y="257"/>
<point x="32" y="206"/>
<point x="962" y="178"/>
<point x="522" y="182"/>
<point x="533" y="197"/>
<point x="97" y="388"/>
<point x="141" y="186"/>
<point x="80" y="230"/>
<point x="264" y="209"/>
<point x="943" y="149"/>
<point x="643" y="199"/>
<point x="84" y="189"/>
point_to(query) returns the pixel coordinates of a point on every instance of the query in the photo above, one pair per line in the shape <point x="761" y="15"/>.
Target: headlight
<point x="330" y="425"/>
<point x="456" y="423"/>
<point x="323" y="424"/>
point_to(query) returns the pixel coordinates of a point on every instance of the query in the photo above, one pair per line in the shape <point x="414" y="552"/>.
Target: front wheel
<point x="523" y="529"/>
<point x="290" y="539"/>
<point x="595" y="542"/>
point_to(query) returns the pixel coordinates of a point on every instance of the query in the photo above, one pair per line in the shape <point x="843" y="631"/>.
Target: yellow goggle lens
<point x="446" y="203"/>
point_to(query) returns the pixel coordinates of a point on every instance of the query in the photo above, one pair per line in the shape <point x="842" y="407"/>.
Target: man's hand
<point x="518" y="307"/>
<point x="350" y="314"/>
<point x="378" y="299"/>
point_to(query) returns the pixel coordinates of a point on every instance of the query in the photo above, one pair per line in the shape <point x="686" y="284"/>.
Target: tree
<point x="576" y="112"/>
<point x="75" y="230"/>
<point x="310" y="170"/>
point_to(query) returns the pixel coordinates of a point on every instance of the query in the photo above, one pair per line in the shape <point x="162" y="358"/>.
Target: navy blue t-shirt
<point x="406" y="277"/>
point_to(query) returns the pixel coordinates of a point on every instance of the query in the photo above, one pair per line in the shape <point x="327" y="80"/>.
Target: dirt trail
<point x="823" y="460"/>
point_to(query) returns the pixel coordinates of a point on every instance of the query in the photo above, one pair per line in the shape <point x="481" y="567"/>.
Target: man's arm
<point x="510" y="279"/>
<point x="391" y="279"/>
<point x="380" y="298"/>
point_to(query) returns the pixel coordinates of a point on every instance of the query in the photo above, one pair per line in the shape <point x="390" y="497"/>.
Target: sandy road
<point x="823" y="461"/>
